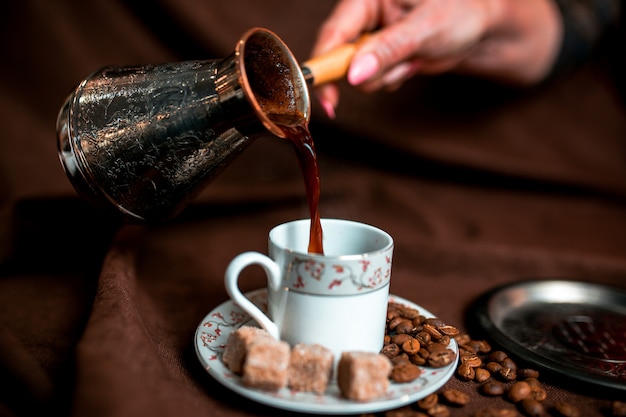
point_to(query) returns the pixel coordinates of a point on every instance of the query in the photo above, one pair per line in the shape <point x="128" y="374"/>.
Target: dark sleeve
<point x="585" y="24"/>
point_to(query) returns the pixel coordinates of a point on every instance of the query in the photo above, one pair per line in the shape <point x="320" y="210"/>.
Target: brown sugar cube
<point x="237" y="346"/>
<point x="310" y="368"/>
<point x="363" y="376"/>
<point x="266" y="363"/>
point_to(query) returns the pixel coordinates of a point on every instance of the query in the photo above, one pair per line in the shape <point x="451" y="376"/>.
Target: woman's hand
<point x="511" y="41"/>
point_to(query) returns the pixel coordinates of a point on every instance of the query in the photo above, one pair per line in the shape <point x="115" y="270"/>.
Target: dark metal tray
<point x="575" y="329"/>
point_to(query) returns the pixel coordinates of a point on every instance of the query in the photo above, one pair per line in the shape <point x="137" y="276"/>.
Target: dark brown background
<point x="479" y="186"/>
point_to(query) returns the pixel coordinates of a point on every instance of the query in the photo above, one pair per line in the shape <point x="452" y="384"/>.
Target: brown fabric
<point x="478" y="185"/>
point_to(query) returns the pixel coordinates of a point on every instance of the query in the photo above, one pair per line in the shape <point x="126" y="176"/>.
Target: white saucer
<point x="210" y="341"/>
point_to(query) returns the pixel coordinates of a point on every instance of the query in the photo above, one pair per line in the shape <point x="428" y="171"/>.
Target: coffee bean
<point x="409" y="312"/>
<point x="538" y="393"/>
<point x="480" y="346"/>
<point x="432" y="331"/>
<point x="411" y="346"/>
<point x="474" y="361"/>
<point x="532" y="407"/>
<point x="484" y="347"/>
<point x="438" y="410"/>
<point x="481" y="375"/>
<point x="401" y="358"/>
<point x="435" y="322"/>
<point x="441" y="358"/>
<point x="405" y="372"/>
<point x="391" y="350"/>
<point x="424" y="353"/>
<point x="462" y="339"/>
<point x="418" y="341"/>
<point x="497" y="356"/>
<point x="464" y="353"/>
<point x="468" y="347"/>
<point x="393" y="323"/>
<point x="417" y="360"/>
<point x="435" y="347"/>
<point x="400" y="412"/>
<point x="418" y="321"/>
<point x="455" y="397"/>
<point x="518" y="391"/>
<point x="496" y="412"/>
<point x="447" y="330"/>
<point x="507" y="374"/>
<point x="466" y="372"/>
<point x="474" y="345"/>
<point x="565" y="409"/>
<point x="405" y="327"/>
<point x="618" y="409"/>
<point x="492" y="388"/>
<point x="527" y="373"/>
<point x="493" y="367"/>
<point x="533" y="382"/>
<point x="392" y="314"/>
<point x="509" y="363"/>
<point x="428" y="402"/>
<point x="423" y="337"/>
<point x="399" y="339"/>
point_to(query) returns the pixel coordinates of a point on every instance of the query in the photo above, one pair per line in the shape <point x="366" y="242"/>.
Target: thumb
<point x="381" y="51"/>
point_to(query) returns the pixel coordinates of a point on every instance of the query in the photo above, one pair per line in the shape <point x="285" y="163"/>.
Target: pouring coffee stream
<point x="145" y="140"/>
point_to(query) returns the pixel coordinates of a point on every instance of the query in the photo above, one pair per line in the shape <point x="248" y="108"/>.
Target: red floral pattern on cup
<point x="319" y="277"/>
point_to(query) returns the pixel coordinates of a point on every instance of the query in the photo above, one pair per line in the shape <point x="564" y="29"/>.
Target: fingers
<point x="524" y="47"/>
<point x="425" y="36"/>
<point x="348" y="20"/>
<point x="363" y="67"/>
<point x="397" y="75"/>
<point x="389" y="49"/>
<point x="392" y="79"/>
<point x="509" y="40"/>
<point x="328" y="97"/>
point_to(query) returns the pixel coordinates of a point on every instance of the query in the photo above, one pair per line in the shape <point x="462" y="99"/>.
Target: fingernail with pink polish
<point x="328" y="108"/>
<point x="362" y="69"/>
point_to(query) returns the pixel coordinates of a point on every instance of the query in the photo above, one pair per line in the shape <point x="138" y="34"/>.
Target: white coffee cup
<point x="338" y="299"/>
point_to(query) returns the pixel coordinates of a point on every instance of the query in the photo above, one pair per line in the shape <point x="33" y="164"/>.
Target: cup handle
<point x="231" y="278"/>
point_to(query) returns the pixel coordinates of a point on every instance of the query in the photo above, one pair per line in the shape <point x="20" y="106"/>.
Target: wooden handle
<point x="333" y="65"/>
